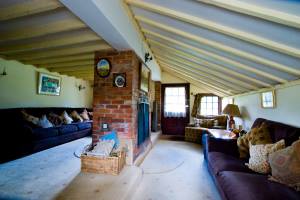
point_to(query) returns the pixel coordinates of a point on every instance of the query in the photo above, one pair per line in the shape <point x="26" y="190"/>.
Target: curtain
<point x="175" y="102"/>
<point x="197" y="105"/>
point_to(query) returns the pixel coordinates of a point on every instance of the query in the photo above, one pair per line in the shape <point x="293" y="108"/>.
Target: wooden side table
<point x="222" y="134"/>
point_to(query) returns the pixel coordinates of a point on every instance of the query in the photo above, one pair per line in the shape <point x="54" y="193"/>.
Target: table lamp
<point x="233" y="111"/>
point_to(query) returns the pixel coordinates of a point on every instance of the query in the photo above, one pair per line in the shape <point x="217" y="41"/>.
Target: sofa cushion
<point x="285" y="165"/>
<point x="69" y="128"/>
<point x="43" y="133"/>
<point x="219" y="162"/>
<point x="239" y="185"/>
<point x="257" y="135"/>
<point x="84" y="125"/>
<point x="258" y="161"/>
<point x="280" y="131"/>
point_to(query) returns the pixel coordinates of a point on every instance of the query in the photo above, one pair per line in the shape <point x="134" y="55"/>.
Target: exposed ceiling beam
<point x="39" y="25"/>
<point x="221" y="76"/>
<point x="195" y="83"/>
<point x="68" y="64"/>
<point x="79" y="73"/>
<point x="59" y="59"/>
<point x="212" y="87"/>
<point x="192" y="80"/>
<point x="49" y="41"/>
<point x="201" y="75"/>
<point x="23" y="8"/>
<point x="232" y="32"/>
<point x="74" y="49"/>
<point x="211" y="66"/>
<point x="218" y="57"/>
<point x="199" y="78"/>
<point x="257" y="11"/>
<point x="74" y="68"/>
<point x="219" y="46"/>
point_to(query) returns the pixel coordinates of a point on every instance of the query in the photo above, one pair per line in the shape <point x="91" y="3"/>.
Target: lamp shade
<point x="232" y="110"/>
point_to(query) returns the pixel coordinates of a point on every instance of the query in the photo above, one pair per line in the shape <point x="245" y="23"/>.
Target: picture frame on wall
<point x="49" y="84"/>
<point x="268" y="99"/>
<point x="103" y="68"/>
<point x="144" y="78"/>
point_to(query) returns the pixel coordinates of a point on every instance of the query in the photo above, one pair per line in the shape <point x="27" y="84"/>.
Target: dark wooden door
<point x="174" y="125"/>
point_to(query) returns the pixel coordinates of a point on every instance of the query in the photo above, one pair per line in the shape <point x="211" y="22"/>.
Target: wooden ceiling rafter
<point x="194" y="82"/>
<point x="256" y="11"/>
<point x="202" y="75"/>
<point x="60" y="59"/>
<point x="229" y="31"/>
<point x="217" y="57"/>
<point x="27" y="7"/>
<point x="212" y="87"/>
<point x="221" y="76"/>
<point x="40" y="27"/>
<point x="196" y="76"/>
<point x="65" y="51"/>
<point x="219" y="46"/>
<point x="56" y="40"/>
<point x="213" y="67"/>
<point x="73" y="68"/>
<point x="69" y="64"/>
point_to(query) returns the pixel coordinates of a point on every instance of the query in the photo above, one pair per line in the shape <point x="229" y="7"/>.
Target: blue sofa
<point x="20" y="138"/>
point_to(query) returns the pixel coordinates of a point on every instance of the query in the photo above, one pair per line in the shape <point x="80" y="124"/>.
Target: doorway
<point x="175" y="113"/>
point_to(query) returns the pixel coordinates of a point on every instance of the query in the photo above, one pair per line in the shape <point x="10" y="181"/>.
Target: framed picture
<point x="144" y="78"/>
<point x="103" y="68"/>
<point x="49" y="84"/>
<point x="268" y="99"/>
<point x="119" y="80"/>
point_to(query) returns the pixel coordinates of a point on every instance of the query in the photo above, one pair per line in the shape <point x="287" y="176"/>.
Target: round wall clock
<point x="103" y="68"/>
<point x="119" y="80"/>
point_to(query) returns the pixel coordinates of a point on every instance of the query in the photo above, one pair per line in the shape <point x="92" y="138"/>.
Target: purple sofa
<point x="234" y="180"/>
<point x="20" y="138"/>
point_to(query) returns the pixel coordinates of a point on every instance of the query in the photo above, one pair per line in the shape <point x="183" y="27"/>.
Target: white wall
<point x="287" y="108"/>
<point x="19" y="89"/>
<point x="169" y="78"/>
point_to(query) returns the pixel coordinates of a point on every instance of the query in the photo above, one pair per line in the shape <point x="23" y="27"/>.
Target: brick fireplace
<point x="118" y="106"/>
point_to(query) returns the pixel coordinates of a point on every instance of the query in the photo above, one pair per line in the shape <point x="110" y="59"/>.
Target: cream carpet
<point x="175" y="170"/>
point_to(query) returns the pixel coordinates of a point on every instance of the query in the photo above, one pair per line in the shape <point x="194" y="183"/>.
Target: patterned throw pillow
<point x="285" y="165"/>
<point x="76" y="117"/>
<point x="66" y="118"/>
<point x="257" y="135"/>
<point x="85" y="115"/>
<point x="55" y="119"/>
<point x="258" y="161"/>
<point x="44" y="122"/>
<point x="29" y="118"/>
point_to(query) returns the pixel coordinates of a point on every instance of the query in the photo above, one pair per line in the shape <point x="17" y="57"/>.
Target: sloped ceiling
<point x="46" y="34"/>
<point x="228" y="47"/>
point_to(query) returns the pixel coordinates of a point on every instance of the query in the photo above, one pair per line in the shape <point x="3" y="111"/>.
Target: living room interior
<point x="150" y="99"/>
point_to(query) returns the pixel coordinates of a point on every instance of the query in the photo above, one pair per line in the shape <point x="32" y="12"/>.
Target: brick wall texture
<point x="117" y="106"/>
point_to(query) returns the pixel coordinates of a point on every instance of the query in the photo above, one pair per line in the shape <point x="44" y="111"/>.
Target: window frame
<point x="219" y="103"/>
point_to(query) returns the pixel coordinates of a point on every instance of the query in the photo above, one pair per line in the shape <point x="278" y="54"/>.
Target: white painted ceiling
<point x="228" y="47"/>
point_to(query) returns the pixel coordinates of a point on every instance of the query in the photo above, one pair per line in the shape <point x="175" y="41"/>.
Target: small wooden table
<point x="222" y="134"/>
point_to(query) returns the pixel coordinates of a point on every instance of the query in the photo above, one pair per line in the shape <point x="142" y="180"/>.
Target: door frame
<point x="187" y="100"/>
